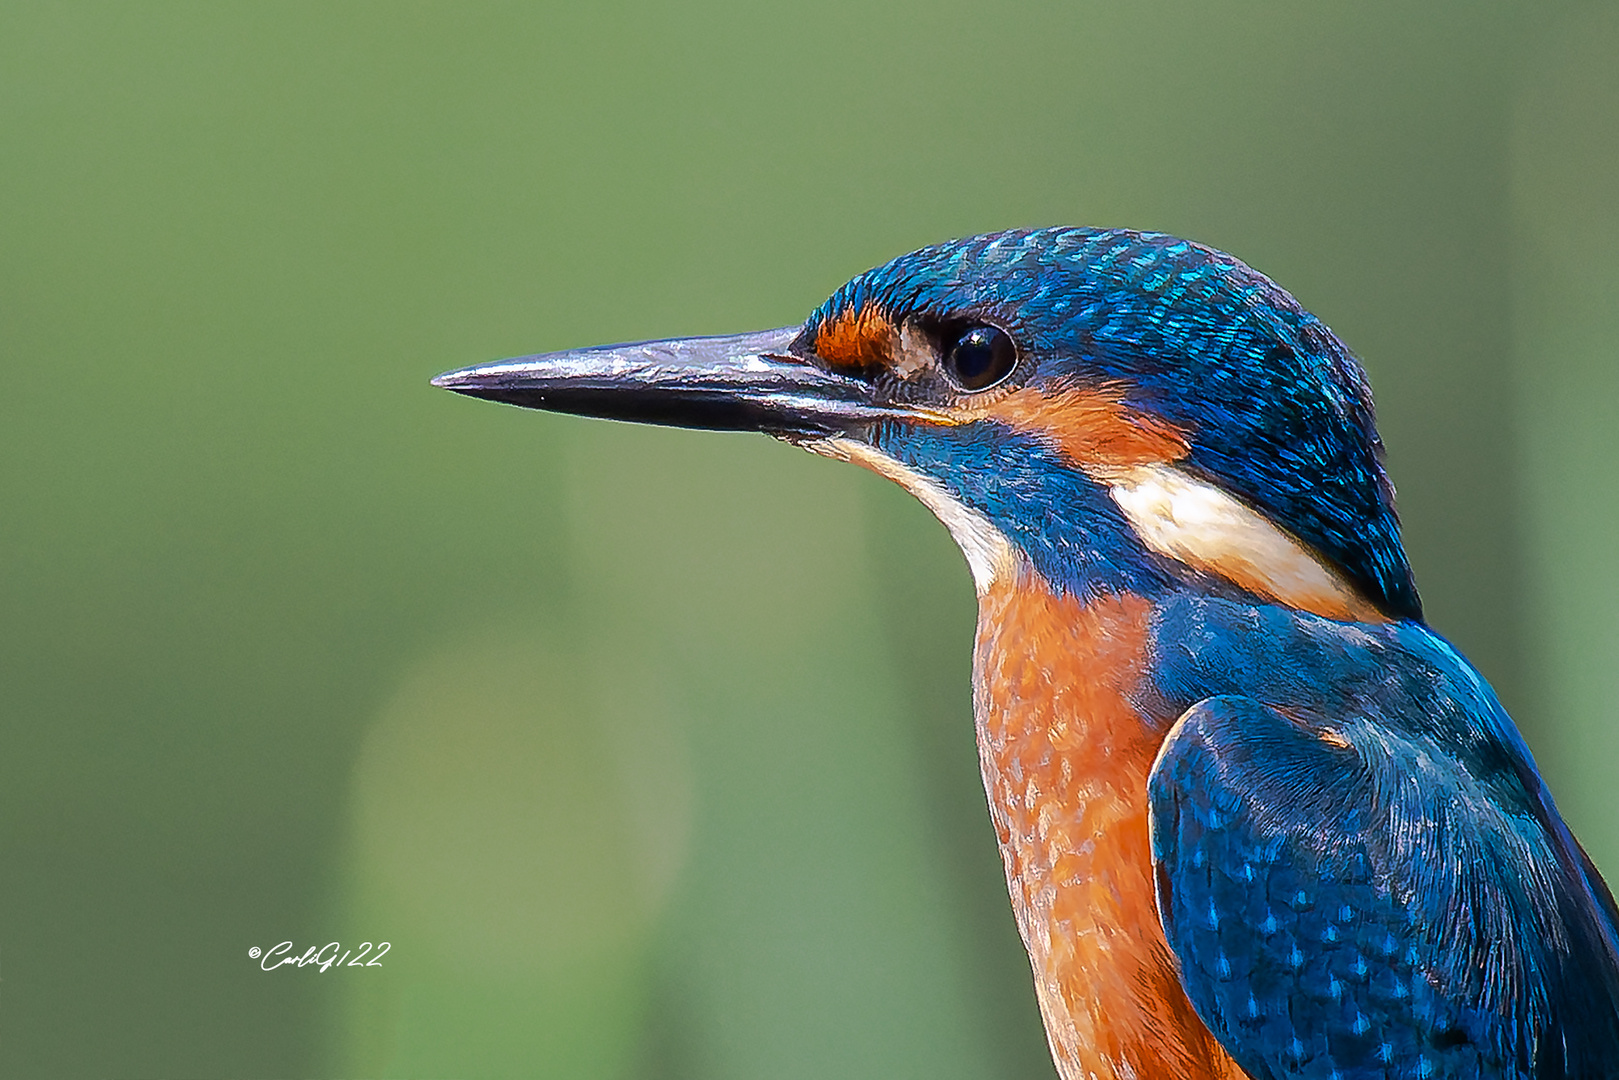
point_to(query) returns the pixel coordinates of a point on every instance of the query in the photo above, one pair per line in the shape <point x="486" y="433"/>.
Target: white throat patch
<point x="990" y="555"/>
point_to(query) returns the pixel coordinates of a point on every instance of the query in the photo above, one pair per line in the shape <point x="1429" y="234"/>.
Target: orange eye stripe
<point x="1090" y="427"/>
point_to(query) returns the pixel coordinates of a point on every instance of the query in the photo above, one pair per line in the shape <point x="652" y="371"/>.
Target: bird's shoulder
<point x="1357" y="864"/>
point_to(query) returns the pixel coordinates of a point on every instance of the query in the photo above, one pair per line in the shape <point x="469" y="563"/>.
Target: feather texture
<point x="1354" y="862"/>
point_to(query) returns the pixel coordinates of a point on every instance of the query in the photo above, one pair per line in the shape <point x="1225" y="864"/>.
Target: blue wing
<point x="1370" y="882"/>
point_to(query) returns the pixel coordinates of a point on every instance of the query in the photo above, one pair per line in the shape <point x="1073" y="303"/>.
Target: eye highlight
<point x="979" y="357"/>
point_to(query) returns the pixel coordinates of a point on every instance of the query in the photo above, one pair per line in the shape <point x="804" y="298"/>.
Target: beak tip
<point x="459" y="380"/>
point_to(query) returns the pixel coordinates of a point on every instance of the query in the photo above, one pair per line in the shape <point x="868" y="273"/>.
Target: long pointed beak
<point x="746" y="382"/>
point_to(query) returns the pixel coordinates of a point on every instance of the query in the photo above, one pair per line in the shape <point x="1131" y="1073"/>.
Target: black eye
<point x="980" y="357"/>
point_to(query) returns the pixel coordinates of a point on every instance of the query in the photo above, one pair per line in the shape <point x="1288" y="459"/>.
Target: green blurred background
<point x="650" y="751"/>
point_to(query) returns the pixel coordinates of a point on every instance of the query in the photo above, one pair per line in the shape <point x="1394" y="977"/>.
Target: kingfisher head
<point x="1110" y="410"/>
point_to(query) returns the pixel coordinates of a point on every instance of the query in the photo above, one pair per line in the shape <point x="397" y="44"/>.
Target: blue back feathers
<point x="1276" y="408"/>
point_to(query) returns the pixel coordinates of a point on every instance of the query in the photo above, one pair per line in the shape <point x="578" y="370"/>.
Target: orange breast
<point x="1065" y="759"/>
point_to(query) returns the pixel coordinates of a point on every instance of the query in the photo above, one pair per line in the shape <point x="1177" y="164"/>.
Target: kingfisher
<point x="1257" y="818"/>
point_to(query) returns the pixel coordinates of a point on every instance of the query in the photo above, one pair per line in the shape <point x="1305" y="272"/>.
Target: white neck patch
<point x="1198" y="524"/>
<point x="990" y="555"/>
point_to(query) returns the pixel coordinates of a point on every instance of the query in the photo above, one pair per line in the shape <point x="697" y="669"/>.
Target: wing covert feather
<point x="1347" y="901"/>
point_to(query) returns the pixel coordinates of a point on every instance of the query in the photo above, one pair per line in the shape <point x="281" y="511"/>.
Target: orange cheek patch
<point x="857" y="338"/>
<point x="1090" y="427"/>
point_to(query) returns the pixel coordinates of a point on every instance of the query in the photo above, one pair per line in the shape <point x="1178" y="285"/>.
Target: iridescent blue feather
<point x="1158" y="314"/>
<point x="1357" y="865"/>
